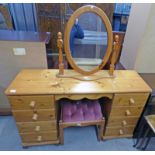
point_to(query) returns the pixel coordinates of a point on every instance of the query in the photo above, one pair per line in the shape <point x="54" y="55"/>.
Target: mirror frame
<point x="70" y="23"/>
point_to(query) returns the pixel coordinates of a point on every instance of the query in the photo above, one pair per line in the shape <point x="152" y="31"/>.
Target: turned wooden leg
<point x="61" y="133"/>
<point x="101" y="130"/>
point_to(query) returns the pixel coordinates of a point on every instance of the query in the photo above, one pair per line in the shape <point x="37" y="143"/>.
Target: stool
<point x="81" y="113"/>
<point x="149" y="128"/>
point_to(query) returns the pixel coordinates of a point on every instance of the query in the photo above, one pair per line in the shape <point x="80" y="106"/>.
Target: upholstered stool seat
<point x="81" y="113"/>
<point x="78" y="111"/>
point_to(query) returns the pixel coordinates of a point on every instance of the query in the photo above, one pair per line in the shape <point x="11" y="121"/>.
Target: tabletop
<point x="45" y="81"/>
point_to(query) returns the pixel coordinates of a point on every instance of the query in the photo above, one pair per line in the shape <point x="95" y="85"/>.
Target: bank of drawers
<point x="35" y="118"/>
<point x="125" y="112"/>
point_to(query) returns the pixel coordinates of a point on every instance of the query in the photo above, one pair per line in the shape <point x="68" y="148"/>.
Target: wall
<point x="145" y="62"/>
<point x="10" y="64"/>
<point x="139" y="40"/>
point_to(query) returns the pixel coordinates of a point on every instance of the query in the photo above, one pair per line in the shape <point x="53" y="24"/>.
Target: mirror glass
<point x="88" y="41"/>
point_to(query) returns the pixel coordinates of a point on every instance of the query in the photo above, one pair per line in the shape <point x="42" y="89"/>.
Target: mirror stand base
<point x="77" y="76"/>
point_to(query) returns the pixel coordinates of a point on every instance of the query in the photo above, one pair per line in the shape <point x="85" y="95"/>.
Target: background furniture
<point x="33" y="56"/>
<point x="149" y="130"/>
<point x="23" y="16"/>
<point x="5" y="18"/>
<point x="81" y="113"/>
<point x="149" y="108"/>
<point x="120" y="16"/>
<point x="53" y="17"/>
<point x="33" y="96"/>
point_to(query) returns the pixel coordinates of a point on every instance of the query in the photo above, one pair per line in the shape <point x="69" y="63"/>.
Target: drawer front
<point x="32" y="102"/>
<point x="37" y="126"/>
<point x="122" y="121"/>
<point x="39" y="137"/>
<point x="38" y="115"/>
<point x="130" y="99"/>
<point x="119" y="131"/>
<point x="125" y="111"/>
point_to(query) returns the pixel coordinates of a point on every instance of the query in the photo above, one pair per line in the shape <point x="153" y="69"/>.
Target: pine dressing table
<point x="34" y="94"/>
<point x="33" y="97"/>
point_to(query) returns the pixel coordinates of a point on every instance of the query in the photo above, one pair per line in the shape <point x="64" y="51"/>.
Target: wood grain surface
<point x="37" y="81"/>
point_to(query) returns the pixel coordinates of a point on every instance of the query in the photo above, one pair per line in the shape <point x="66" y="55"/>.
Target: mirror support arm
<point x="114" y="55"/>
<point x="60" y="47"/>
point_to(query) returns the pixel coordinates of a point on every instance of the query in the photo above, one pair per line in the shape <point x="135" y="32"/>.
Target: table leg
<point x="147" y="142"/>
<point x="144" y="137"/>
<point x="139" y="135"/>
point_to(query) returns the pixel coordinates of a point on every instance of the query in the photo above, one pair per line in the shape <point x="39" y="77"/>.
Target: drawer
<point x="122" y="121"/>
<point x="119" y="131"/>
<point x="29" y="115"/>
<point x="37" y="126"/>
<point x="131" y="99"/>
<point x="126" y="111"/>
<point x="32" y="102"/>
<point x="39" y="137"/>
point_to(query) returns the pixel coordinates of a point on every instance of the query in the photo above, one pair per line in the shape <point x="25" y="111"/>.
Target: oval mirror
<point x="88" y="40"/>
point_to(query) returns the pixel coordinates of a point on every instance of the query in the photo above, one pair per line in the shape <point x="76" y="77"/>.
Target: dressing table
<point x="34" y="93"/>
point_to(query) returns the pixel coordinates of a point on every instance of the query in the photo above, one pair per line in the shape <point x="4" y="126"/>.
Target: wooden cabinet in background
<point x="52" y="17"/>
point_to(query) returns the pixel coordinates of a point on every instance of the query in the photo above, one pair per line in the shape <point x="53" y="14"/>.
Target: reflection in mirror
<point x="88" y="41"/>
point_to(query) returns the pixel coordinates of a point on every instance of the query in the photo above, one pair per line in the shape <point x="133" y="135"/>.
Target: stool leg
<point x="145" y="135"/>
<point x="61" y="133"/>
<point x="100" y="129"/>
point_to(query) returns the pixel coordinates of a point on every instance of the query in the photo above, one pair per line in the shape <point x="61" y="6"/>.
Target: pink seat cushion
<point x="78" y="111"/>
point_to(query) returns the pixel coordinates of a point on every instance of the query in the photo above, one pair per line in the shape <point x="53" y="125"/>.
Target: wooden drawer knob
<point x="131" y="101"/>
<point x="121" y="132"/>
<point x="124" y="123"/>
<point x="78" y="124"/>
<point x="20" y="100"/>
<point x="37" y="128"/>
<point x="35" y="117"/>
<point x="39" y="138"/>
<point x="127" y="113"/>
<point x="32" y="104"/>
